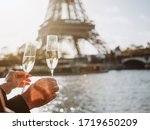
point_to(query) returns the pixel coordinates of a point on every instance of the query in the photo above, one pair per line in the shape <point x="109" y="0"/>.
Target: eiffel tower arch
<point x="69" y="18"/>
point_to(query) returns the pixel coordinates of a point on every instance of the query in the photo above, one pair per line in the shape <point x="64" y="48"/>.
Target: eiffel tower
<point x="69" y="18"/>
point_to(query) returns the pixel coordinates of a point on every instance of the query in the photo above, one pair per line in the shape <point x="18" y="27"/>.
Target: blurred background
<point x="104" y="48"/>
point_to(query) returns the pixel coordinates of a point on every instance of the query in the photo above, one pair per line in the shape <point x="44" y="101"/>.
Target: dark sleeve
<point x="4" y="95"/>
<point x="2" y="100"/>
<point x="18" y="105"/>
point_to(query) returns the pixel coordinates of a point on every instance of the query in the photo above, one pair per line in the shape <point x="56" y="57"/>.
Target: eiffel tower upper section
<point x="66" y="9"/>
<point x="68" y="17"/>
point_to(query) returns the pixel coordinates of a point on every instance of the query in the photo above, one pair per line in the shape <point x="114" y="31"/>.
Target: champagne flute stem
<point x="52" y="72"/>
<point x="23" y="89"/>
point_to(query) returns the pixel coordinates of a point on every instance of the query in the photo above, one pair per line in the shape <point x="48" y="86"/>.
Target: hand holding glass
<point x="29" y="57"/>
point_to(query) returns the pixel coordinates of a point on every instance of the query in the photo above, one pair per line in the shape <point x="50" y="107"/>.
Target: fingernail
<point x="28" y="80"/>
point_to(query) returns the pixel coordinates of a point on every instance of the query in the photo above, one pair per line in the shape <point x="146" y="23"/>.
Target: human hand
<point x="16" y="79"/>
<point x="41" y="92"/>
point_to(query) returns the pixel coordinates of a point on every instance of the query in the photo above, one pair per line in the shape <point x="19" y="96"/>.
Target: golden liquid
<point x="52" y="59"/>
<point x="28" y="63"/>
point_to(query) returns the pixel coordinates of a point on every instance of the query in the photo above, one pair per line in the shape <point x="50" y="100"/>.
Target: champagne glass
<point x="52" y="50"/>
<point x="28" y="58"/>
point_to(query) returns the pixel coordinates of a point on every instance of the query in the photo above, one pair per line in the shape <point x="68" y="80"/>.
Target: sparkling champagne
<point x="28" y="63"/>
<point x="52" y="59"/>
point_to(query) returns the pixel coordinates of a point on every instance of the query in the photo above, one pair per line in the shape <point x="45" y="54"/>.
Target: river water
<point x="114" y="91"/>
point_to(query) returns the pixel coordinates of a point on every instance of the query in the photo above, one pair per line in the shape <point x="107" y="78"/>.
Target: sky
<point x="119" y="22"/>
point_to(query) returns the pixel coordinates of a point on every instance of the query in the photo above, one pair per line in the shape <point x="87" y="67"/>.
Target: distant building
<point x="117" y="51"/>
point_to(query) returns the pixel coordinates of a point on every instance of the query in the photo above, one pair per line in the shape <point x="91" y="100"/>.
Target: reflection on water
<point x="115" y="91"/>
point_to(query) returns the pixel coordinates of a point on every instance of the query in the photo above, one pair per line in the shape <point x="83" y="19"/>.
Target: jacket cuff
<point x="4" y="95"/>
<point x="18" y="104"/>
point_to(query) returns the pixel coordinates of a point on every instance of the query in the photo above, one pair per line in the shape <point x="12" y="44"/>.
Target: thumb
<point x="20" y="73"/>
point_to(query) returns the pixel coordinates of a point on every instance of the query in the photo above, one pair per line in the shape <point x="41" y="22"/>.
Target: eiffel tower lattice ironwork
<point x="68" y="17"/>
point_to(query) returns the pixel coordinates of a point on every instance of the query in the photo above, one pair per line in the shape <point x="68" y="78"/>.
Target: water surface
<point x="114" y="91"/>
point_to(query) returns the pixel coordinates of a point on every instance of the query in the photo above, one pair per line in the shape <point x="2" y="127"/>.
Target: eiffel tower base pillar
<point x="76" y="44"/>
